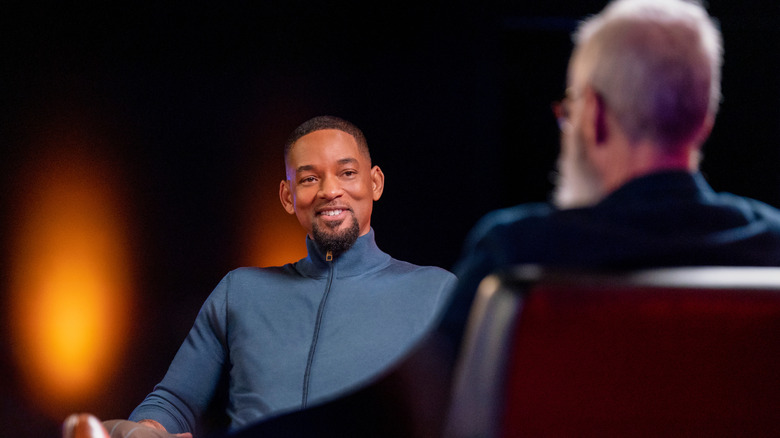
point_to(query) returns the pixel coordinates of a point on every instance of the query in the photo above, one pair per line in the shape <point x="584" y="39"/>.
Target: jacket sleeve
<point x="191" y="381"/>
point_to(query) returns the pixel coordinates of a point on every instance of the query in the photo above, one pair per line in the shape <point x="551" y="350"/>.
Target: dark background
<point x="454" y="98"/>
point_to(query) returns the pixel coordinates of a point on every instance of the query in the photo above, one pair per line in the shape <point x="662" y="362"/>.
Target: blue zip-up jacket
<point x="296" y="334"/>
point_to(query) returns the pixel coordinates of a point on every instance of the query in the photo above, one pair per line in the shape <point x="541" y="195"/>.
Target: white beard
<point x="577" y="183"/>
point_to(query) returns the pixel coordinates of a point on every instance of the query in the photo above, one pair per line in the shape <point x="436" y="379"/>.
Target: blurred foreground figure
<point x="643" y="90"/>
<point x="83" y="426"/>
<point x="282" y="338"/>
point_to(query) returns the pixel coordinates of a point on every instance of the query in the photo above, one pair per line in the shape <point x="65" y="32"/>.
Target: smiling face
<point x="331" y="188"/>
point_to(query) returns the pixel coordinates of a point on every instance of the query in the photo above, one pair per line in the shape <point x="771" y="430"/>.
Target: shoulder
<point x="250" y="278"/>
<point x="752" y="208"/>
<point x="497" y="223"/>
<point x="421" y="281"/>
<point x="400" y="267"/>
<point x="244" y="274"/>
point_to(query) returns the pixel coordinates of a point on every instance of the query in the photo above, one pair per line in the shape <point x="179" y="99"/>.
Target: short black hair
<point x="327" y="122"/>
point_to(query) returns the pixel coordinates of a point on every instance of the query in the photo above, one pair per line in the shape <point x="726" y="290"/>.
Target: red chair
<point x="664" y="352"/>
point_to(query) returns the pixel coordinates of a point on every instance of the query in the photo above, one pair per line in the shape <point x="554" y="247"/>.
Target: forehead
<point x="323" y="147"/>
<point x="583" y="62"/>
<point x="574" y="71"/>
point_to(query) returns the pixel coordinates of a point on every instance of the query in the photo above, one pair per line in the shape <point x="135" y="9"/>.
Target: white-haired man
<point x="643" y="92"/>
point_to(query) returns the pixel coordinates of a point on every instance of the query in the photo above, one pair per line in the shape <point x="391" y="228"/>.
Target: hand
<point x="83" y="426"/>
<point x="87" y="426"/>
<point x="141" y="429"/>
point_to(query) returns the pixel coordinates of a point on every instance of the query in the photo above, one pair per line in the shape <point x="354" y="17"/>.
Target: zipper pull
<point x="329" y="256"/>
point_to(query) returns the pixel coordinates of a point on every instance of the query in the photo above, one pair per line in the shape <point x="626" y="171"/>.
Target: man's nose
<point x="330" y="188"/>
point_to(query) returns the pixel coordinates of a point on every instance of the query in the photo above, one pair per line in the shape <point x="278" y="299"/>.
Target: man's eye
<point x="349" y="173"/>
<point x="308" y="179"/>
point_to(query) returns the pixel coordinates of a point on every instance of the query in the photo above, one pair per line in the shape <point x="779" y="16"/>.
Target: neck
<point x="644" y="158"/>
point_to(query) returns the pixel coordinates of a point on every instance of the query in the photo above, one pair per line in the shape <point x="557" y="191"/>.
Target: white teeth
<point x="331" y="212"/>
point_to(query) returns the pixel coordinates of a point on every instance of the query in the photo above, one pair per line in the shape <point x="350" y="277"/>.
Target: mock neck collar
<point x="364" y="256"/>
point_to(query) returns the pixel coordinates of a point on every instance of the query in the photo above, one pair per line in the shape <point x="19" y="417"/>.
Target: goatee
<point x="334" y="241"/>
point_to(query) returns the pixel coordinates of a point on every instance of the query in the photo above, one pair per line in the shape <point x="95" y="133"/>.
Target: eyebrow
<point x="348" y="161"/>
<point x="343" y="161"/>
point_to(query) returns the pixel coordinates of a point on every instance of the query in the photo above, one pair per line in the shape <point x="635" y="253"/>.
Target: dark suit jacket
<point x="664" y="219"/>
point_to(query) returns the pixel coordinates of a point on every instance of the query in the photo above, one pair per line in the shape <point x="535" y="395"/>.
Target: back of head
<point x="656" y="63"/>
<point x="327" y="122"/>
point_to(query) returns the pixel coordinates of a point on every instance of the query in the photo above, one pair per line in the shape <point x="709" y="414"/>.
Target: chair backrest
<point x="662" y="352"/>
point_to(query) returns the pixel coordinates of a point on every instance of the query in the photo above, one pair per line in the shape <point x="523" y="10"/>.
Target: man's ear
<point x="377" y="182"/>
<point x="602" y="130"/>
<point x="285" y="195"/>
<point x="704" y="131"/>
<point x="595" y="127"/>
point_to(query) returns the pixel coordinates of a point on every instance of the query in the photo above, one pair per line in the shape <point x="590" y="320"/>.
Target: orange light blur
<point x="70" y="278"/>
<point x="271" y="236"/>
<point x="277" y="238"/>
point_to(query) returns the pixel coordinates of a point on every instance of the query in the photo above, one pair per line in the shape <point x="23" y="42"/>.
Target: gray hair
<point x="656" y="64"/>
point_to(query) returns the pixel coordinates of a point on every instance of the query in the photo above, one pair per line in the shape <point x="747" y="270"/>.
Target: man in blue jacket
<point x="643" y="92"/>
<point x="285" y="337"/>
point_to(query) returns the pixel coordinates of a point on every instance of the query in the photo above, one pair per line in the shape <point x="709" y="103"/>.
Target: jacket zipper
<point x="320" y="311"/>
